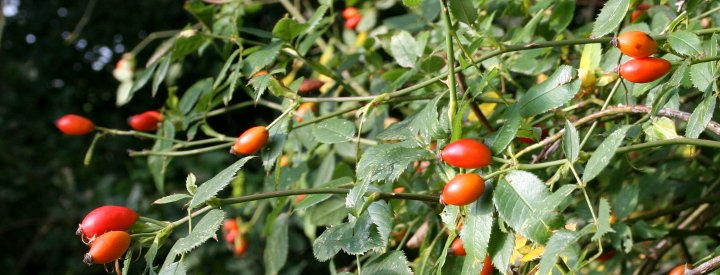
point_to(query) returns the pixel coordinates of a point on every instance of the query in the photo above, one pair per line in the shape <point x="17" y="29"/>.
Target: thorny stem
<point x="452" y="106"/>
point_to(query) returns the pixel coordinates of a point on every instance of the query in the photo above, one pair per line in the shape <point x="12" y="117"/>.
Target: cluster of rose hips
<point x="234" y="237"/>
<point x="642" y="68"/>
<point x="352" y="17"/>
<point x="76" y="125"/>
<point x="466" y="153"/>
<point x="105" y="230"/>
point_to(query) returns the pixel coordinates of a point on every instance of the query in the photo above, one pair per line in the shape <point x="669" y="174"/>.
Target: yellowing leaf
<point x="533" y="254"/>
<point x="327" y="55"/>
<point x="360" y="40"/>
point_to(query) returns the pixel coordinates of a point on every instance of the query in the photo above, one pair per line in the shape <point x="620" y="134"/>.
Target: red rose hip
<point x="251" y="141"/>
<point x="636" y="44"/>
<point x="74" y="125"/>
<point x="457" y="248"/>
<point x="643" y="70"/>
<point x="106" y="218"/>
<point x="463" y="189"/>
<point x="146" y="122"/>
<point x="107" y="248"/>
<point x="466" y="153"/>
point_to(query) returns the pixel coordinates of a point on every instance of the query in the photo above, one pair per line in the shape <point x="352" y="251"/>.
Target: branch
<point x="618" y="110"/>
<point x="705" y="268"/>
<point x="285" y="193"/>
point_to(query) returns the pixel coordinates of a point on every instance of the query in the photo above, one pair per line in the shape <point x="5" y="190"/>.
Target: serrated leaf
<point x="404" y="48"/>
<point x="386" y="162"/>
<point x="188" y="100"/>
<point x="260" y="84"/>
<point x="556" y="199"/>
<point x="501" y="247"/>
<point x="162" y="70"/>
<point x="176" y="268"/>
<point x="424" y="122"/>
<point x="571" y="142"/>
<point x="560" y="241"/>
<point x="610" y="17"/>
<point x="700" y="118"/>
<point x="259" y="59"/>
<point x="557" y="90"/>
<point x="276" y="249"/>
<point x="315" y="20"/>
<point x="604" y="153"/>
<point x="278" y="135"/>
<point x="702" y="75"/>
<point x="382" y="216"/>
<point x="211" y="187"/>
<point x="686" y="43"/>
<point x="355" y="196"/>
<point x="391" y="263"/>
<point x="202" y="231"/>
<point x="287" y="29"/>
<point x="476" y="231"/>
<point x="463" y="11"/>
<point x="506" y="134"/>
<point x="518" y="199"/>
<point x="171" y="198"/>
<point x="335" y="130"/>
<point x="603" y="219"/>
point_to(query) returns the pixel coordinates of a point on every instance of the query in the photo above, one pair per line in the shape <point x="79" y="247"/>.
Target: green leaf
<point x="603" y="219"/>
<point x="424" y="122"/>
<point x="382" y="216"/>
<point x="557" y="90"/>
<point x="356" y="196"/>
<point x="391" y="263"/>
<point x="329" y="212"/>
<point x="211" y="187"/>
<point x="463" y="11"/>
<point x="260" y="84"/>
<point x="278" y="135"/>
<point x="571" y="142"/>
<point x="506" y="134"/>
<point x="314" y="199"/>
<point x="223" y="72"/>
<point x="557" y="244"/>
<point x="501" y="247"/>
<point x="171" y="198"/>
<point x="700" y="118"/>
<point x="330" y="241"/>
<point x="412" y="3"/>
<point x="160" y="73"/>
<point x="334" y="130"/>
<point x="661" y="128"/>
<point x="702" y="75"/>
<point x="157" y="164"/>
<point x="202" y="231"/>
<point x="610" y="17"/>
<point x="518" y="199"/>
<point x="259" y="59"/>
<point x="386" y="162"/>
<point x="151" y="253"/>
<point x="562" y="15"/>
<point x="404" y="48"/>
<point x="287" y="29"/>
<point x="176" y="268"/>
<point x="314" y="21"/>
<point x="526" y="34"/>
<point x="603" y="154"/>
<point x="686" y="43"/>
<point x="188" y="100"/>
<point x="276" y="249"/>
<point x="142" y="78"/>
<point x="622" y="240"/>
<point x="476" y="230"/>
<point x="626" y="200"/>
